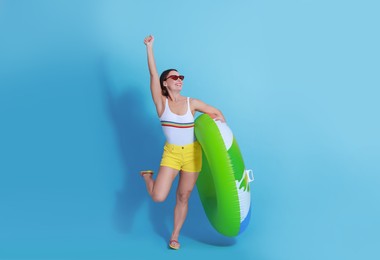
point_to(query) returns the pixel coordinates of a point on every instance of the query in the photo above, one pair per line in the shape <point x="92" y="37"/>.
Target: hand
<point x="217" y="117"/>
<point x="148" y="41"/>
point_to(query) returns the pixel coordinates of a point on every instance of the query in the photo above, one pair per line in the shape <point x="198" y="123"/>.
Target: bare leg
<point x="159" y="189"/>
<point x="186" y="184"/>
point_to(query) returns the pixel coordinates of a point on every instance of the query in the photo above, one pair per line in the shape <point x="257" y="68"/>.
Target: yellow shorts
<point x="187" y="158"/>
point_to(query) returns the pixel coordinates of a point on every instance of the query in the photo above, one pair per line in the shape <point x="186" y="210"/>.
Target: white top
<point x="178" y="129"/>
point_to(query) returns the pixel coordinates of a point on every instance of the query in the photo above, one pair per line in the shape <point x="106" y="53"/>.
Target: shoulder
<point x="196" y="102"/>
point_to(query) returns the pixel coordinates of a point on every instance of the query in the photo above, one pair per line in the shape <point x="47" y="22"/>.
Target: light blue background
<point x="298" y="82"/>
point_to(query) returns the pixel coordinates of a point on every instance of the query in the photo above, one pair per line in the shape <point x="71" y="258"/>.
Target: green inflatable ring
<point x="223" y="183"/>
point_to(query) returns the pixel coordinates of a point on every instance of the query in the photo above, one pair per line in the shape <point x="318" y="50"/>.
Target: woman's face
<point x="174" y="81"/>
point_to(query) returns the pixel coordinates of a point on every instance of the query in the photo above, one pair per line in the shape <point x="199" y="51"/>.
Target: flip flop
<point x="174" y="244"/>
<point x="142" y="173"/>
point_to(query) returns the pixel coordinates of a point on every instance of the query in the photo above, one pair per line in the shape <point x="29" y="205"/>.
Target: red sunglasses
<point x="175" y="77"/>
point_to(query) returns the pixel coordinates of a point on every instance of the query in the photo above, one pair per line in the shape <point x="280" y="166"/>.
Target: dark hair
<point x="163" y="77"/>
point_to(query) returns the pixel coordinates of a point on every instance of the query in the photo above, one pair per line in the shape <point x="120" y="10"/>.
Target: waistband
<point x="182" y="147"/>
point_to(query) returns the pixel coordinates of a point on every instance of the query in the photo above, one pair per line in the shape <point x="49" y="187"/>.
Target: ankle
<point x="174" y="236"/>
<point x="147" y="176"/>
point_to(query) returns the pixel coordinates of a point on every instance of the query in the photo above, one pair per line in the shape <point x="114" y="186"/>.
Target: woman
<point x="182" y="153"/>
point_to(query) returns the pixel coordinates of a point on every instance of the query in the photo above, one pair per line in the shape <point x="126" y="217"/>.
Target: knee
<point x="183" y="197"/>
<point x="156" y="197"/>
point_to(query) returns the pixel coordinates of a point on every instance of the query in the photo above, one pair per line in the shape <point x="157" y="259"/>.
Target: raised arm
<point x="200" y="106"/>
<point x="155" y="87"/>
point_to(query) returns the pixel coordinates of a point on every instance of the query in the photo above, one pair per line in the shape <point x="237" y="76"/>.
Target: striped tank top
<point x="178" y="129"/>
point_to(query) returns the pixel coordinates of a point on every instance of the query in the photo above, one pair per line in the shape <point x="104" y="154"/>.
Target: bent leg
<point x="186" y="184"/>
<point x="159" y="189"/>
